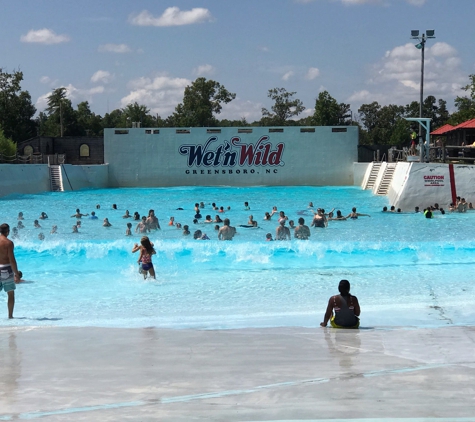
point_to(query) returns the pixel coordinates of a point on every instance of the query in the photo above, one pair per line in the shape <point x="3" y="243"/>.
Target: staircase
<point x="373" y="175"/>
<point x="386" y="180"/>
<point x="56" y="179"/>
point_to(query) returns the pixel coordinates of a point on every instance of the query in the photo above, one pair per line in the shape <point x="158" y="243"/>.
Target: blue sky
<point x="114" y="52"/>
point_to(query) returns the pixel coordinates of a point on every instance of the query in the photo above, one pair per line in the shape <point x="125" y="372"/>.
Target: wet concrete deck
<point x="99" y="374"/>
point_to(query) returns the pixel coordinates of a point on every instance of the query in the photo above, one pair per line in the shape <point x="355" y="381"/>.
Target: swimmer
<point x="106" y="223"/>
<point x="208" y="219"/>
<point x="319" y="219"/>
<point x="310" y="205"/>
<point x="136" y="216"/>
<point x="354" y="215"/>
<point x="226" y="232"/>
<point x="246" y="206"/>
<point x="343" y="310"/>
<point x="78" y="214"/>
<point x="217" y="219"/>
<point x="291" y="224"/>
<point x="202" y="204"/>
<point x="172" y="221"/>
<point x="274" y="210"/>
<point x="282" y="232"/>
<point x="385" y="209"/>
<point x="213" y="205"/>
<point x="197" y="208"/>
<point x="14" y="233"/>
<point x="216" y="227"/>
<point x="145" y="259"/>
<point x="186" y="230"/>
<point x="43" y="216"/>
<point x="221" y="209"/>
<point x="302" y="231"/>
<point x="114" y="206"/>
<point x="142" y="227"/>
<point x="282" y="216"/>
<point x="20" y="216"/>
<point x="152" y="221"/>
<point x="20" y="225"/>
<point x="199" y="235"/>
<point x="127" y="214"/>
<point x="37" y="224"/>
<point x="178" y="225"/>
<point x="269" y="237"/>
<point x="416" y="210"/>
<point x="41" y="236"/>
<point x="251" y="221"/>
<point x="93" y="216"/>
<point x="98" y="206"/>
<point x="338" y="217"/>
<point x="267" y="216"/>
<point x="54" y="230"/>
<point x="128" y="231"/>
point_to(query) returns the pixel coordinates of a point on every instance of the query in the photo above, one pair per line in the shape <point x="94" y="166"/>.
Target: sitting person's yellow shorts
<point x="334" y="325"/>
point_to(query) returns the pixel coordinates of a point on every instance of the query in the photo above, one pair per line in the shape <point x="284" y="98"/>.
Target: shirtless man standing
<point x="8" y="268"/>
<point x="152" y="221"/>
<point x="226" y="232"/>
<point x="302" y="231"/>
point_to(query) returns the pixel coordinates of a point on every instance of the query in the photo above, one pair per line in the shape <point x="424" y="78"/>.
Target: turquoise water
<point x="405" y="269"/>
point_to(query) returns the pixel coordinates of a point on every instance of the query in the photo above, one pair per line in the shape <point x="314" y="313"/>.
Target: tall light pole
<point x="421" y="46"/>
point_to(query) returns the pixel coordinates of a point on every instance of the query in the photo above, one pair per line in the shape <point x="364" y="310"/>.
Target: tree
<point x="327" y="110"/>
<point x="201" y="101"/>
<point x="62" y="118"/>
<point x="7" y="148"/>
<point x="465" y="105"/>
<point x="383" y="125"/>
<point x="89" y="123"/>
<point x="283" y="109"/>
<point x="16" y="109"/>
<point x="139" y="114"/>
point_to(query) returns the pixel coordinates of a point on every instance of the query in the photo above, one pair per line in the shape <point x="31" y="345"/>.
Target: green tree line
<point x="202" y="103"/>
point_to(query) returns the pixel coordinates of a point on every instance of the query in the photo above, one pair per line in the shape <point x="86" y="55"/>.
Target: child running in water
<point x="145" y="259"/>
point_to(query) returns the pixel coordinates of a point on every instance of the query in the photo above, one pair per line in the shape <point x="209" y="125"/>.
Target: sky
<point x="115" y="52"/>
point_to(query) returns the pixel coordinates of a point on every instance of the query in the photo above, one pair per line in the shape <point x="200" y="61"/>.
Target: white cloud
<point x="396" y="77"/>
<point x="114" y="48"/>
<point x="312" y="73"/>
<point x="43" y="36"/>
<point x="161" y="94"/>
<point x="102" y="76"/>
<point x="172" y="16"/>
<point x="76" y="95"/>
<point x="45" y="79"/>
<point x="238" y="109"/>
<point x="287" y="75"/>
<point x="205" y="69"/>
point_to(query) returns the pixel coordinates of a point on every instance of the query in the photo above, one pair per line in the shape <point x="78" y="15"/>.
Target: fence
<point x="54" y="159"/>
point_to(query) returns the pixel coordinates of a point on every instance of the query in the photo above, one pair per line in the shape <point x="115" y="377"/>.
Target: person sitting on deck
<point x="343" y="310"/>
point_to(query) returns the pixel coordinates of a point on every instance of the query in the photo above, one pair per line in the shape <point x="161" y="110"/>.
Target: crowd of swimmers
<point x="286" y="229"/>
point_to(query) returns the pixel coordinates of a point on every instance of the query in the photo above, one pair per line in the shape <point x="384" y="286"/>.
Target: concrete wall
<point x="34" y="178"/>
<point x="84" y="177"/>
<point x="318" y="156"/>
<point x="23" y="178"/>
<point x="421" y="184"/>
<point x="359" y="171"/>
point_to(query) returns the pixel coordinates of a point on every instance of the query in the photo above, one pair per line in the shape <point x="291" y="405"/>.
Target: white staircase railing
<point x="56" y="178"/>
<point x="385" y="181"/>
<point x="371" y="175"/>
